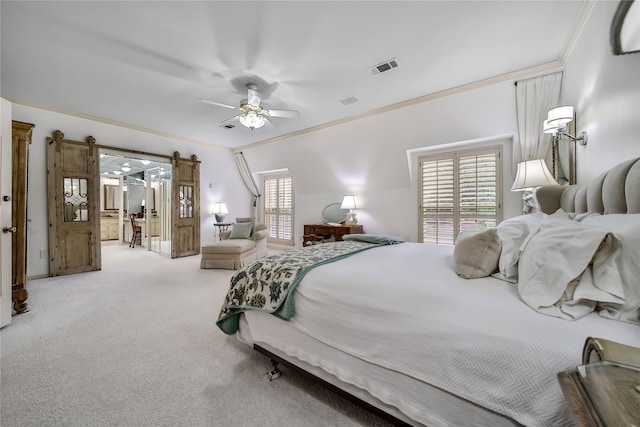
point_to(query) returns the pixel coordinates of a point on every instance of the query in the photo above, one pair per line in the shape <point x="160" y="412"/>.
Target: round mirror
<point x="625" y="28"/>
<point x="333" y="213"/>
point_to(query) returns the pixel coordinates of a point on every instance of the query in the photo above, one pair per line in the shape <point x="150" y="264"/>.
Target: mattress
<point x="398" y="323"/>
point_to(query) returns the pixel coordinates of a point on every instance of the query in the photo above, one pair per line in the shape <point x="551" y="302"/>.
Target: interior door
<point x="73" y="200"/>
<point x="5" y="212"/>
<point x="185" y="214"/>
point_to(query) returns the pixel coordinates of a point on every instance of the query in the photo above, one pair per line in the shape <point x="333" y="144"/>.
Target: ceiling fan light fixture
<point x="252" y="120"/>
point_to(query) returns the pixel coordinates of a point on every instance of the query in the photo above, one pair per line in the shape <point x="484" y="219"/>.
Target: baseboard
<point x="279" y="248"/>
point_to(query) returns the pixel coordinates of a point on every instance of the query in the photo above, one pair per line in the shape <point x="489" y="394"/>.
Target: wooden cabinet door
<point x="21" y="136"/>
<point x="185" y="207"/>
<point x="73" y="199"/>
<point x="113" y="230"/>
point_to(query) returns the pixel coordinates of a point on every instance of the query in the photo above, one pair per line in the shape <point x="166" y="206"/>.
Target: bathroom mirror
<point x="625" y="28"/>
<point x="109" y="197"/>
<point x="333" y="214"/>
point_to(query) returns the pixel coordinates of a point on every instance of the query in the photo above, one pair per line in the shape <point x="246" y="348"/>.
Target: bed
<point x="392" y="325"/>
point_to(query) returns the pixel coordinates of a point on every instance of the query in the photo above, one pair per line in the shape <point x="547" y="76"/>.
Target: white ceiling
<point x="145" y="64"/>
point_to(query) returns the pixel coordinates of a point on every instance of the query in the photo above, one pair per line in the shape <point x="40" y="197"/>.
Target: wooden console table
<point x="602" y="394"/>
<point x="321" y="232"/>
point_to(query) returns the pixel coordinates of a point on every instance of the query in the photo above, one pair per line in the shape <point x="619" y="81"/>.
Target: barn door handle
<point x="9" y="229"/>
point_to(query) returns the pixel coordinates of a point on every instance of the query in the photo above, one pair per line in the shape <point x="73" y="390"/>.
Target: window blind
<point x="278" y="208"/>
<point x="458" y="189"/>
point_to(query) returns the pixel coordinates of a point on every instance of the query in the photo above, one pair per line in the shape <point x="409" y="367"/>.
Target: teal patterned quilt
<point x="267" y="284"/>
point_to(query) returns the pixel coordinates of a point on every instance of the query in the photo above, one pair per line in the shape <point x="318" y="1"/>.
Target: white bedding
<point x="403" y="308"/>
<point x="412" y="401"/>
<point x="568" y="268"/>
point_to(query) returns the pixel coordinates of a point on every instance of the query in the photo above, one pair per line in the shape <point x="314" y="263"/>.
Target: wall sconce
<point x="350" y="202"/>
<point x="219" y="210"/>
<point x="556" y="124"/>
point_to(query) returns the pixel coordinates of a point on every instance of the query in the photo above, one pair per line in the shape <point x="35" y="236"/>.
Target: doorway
<point x="139" y="186"/>
<point x="159" y="187"/>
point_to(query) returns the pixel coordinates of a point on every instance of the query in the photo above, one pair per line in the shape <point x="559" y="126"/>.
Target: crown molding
<point x="116" y="123"/>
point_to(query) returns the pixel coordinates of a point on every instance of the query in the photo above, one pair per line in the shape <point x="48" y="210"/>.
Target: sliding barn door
<point x="185" y="206"/>
<point x="73" y="202"/>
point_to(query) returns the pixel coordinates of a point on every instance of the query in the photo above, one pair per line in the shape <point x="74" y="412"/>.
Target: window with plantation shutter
<point x="278" y="208"/>
<point x="458" y="189"/>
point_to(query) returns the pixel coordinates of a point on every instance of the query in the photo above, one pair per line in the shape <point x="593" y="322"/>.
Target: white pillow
<point x="627" y="228"/>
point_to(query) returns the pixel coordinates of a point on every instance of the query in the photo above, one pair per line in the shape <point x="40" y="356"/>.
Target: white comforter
<point x="403" y="307"/>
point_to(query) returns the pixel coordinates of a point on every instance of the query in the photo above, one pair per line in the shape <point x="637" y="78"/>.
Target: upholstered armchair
<point x="240" y="246"/>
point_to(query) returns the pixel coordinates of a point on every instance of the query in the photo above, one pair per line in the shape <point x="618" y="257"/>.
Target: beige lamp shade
<point x="550" y="128"/>
<point x="532" y="174"/>
<point x="560" y="115"/>
<point x="220" y="208"/>
<point x="349" y="202"/>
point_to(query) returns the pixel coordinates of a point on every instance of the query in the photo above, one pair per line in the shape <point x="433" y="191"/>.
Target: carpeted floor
<point x="135" y="344"/>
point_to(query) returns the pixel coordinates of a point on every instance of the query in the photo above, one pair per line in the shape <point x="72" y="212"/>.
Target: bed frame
<point x="275" y="372"/>
<point x="616" y="191"/>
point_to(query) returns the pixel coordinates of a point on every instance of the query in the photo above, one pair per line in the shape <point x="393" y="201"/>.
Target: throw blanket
<point x="373" y="238"/>
<point x="267" y="284"/>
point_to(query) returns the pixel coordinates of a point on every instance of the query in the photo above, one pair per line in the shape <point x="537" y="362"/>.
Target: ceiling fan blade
<point x="231" y="120"/>
<point x="253" y="97"/>
<point x="291" y="114"/>
<point x="206" y="101"/>
<point x="268" y="123"/>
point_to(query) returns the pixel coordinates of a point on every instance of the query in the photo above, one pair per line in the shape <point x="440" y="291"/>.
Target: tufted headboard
<point x="615" y="191"/>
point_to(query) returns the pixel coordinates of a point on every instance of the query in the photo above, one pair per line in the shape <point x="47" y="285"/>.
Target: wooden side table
<point x="315" y="232"/>
<point x="602" y="394"/>
<point x="221" y="226"/>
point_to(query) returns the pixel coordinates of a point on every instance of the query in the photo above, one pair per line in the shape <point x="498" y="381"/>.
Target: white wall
<point x="368" y="157"/>
<point x="219" y="177"/>
<point x="605" y="91"/>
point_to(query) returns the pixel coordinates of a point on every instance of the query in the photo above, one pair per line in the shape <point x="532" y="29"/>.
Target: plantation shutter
<point x="438" y="200"/>
<point x="278" y="206"/>
<point x="459" y="189"/>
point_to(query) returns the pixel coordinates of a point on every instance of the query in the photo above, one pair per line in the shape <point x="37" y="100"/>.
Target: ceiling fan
<point x="253" y="115"/>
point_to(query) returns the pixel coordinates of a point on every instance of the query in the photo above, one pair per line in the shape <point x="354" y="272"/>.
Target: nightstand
<point x="322" y="232"/>
<point x="602" y="394"/>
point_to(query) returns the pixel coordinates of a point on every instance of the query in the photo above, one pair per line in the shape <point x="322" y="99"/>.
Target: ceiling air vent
<point x="350" y="100"/>
<point x="385" y="66"/>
